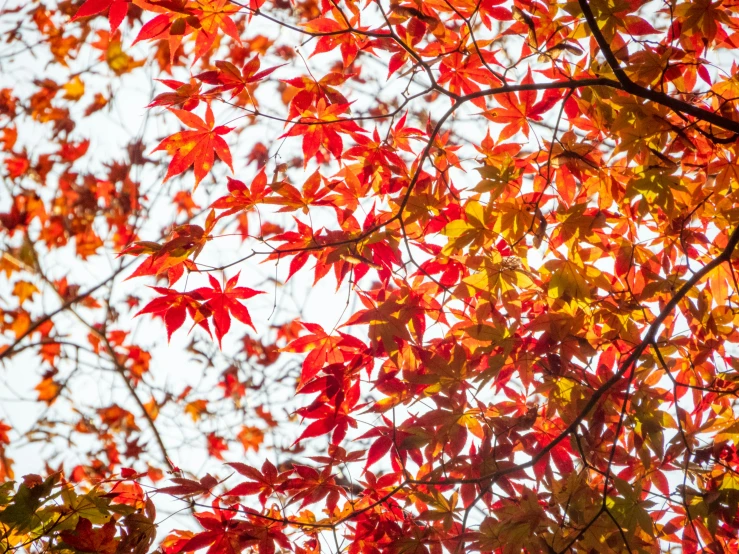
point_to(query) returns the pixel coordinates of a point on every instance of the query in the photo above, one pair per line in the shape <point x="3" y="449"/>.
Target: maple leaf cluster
<point x="525" y="212"/>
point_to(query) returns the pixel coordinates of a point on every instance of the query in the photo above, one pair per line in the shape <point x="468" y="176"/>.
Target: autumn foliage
<point x="521" y="221"/>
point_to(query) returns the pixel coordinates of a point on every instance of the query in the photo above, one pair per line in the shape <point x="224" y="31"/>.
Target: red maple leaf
<point x="222" y="533"/>
<point x="349" y="43"/>
<point x="117" y="10"/>
<point x="86" y="539"/>
<point x="241" y="197"/>
<point x="172" y="306"/>
<point x="463" y="73"/>
<point x="228" y="77"/>
<point x="224" y="303"/>
<point x="310" y="91"/>
<point x="264" y="483"/>
<point x="320" y="126"/>
<point x="172" y="256"/>
<point x="196" y="148"/>
<point x="517" y="110"/>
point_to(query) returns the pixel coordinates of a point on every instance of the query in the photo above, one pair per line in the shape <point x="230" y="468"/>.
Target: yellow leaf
<point x="74" y="89"/>
<point x="567" y="281"/>
<point x="196" y="409"/>
<point x="658" y="190"/>
<point x="475" y="213"/>
<point x="729" y="481"/>
<point x="24" y="290"/>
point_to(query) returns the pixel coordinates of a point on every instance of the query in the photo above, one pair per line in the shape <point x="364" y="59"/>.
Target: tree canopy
<point x="520" y="219"/>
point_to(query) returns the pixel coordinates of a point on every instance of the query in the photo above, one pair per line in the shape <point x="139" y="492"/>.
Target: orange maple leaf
<point x="196" y="148"/>
<point x="320" y="126"/>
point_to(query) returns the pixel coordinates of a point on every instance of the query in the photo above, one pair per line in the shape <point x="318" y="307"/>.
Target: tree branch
<point x="637" y="90"/>
<point x="648" y="339"/>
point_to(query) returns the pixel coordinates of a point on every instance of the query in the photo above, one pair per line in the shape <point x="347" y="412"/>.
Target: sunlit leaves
<point x="172" y="307"/>
<point x="241" y="198"/>
<point x="323" y="349"/>
<point x="321" y="127"/>
<point x="229" y="78"/>
<point x="223" y="303"/>
<point x="198" y="148"/>
<point x="528" y="214"/>
<point x="117" y="10"/>
<point x="173" y="256"/>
